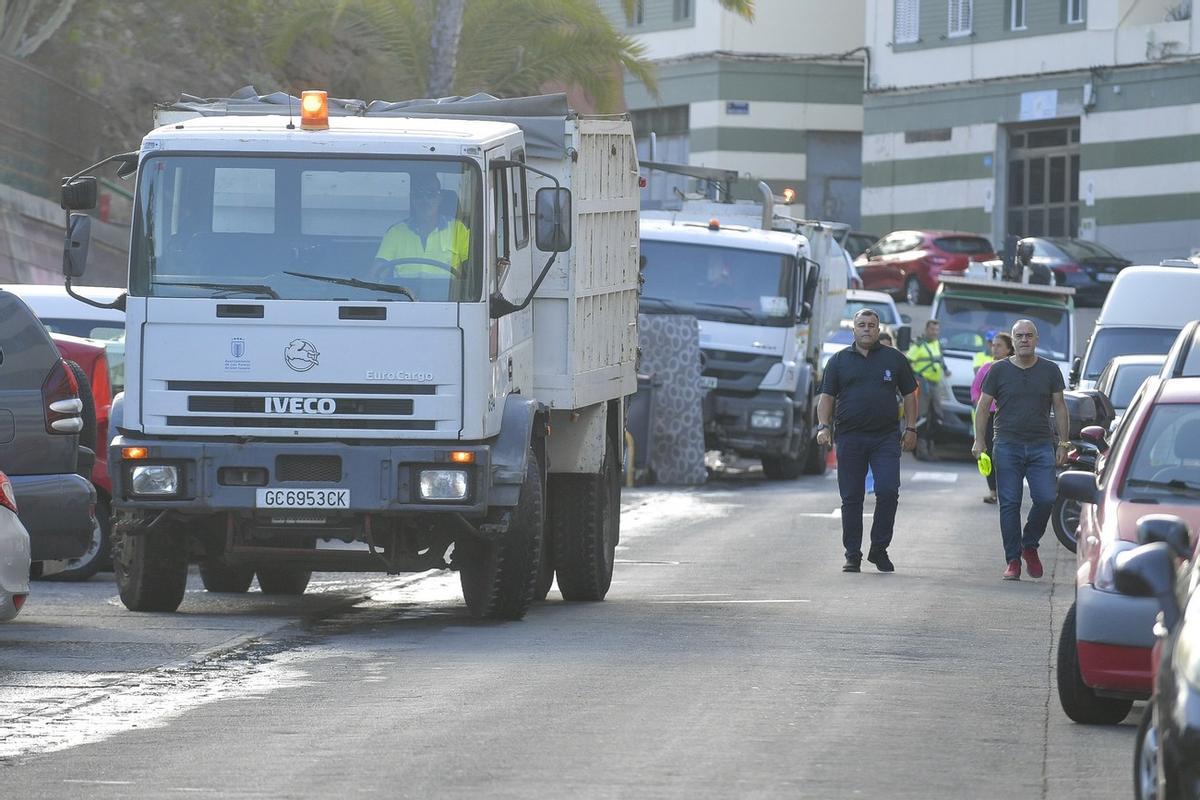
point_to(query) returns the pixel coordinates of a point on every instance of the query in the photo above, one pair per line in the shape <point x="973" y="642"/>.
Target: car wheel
<point x="1145" y="757"/>
<point x="1079" y="701"/>
<point x="913" y="293"/>
<point x="1065" y="519"/>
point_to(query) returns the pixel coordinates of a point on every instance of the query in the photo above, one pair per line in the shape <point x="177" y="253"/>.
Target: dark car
<point x="41" y="416"/>
<point x="1086" y="267"/>
<point x="857" y="242"/>
<point x="909" y="264"/>
<point x="1166" y="762"/>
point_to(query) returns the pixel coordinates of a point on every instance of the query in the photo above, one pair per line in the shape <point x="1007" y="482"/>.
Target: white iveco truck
<point x="450" y="398"/>
<point x="765" y="301"/>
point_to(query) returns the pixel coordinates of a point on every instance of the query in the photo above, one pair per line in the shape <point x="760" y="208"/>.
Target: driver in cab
<point x="430" y="243"/>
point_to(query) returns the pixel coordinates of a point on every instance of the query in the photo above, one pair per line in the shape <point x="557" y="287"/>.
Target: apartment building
<point x="1036" y="117"/>
<point x="778" y="98"/>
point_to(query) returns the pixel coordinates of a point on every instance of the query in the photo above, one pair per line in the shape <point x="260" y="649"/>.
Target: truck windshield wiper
<point x="665" y="303"/>
<point x="734" y="308"/>
<point x="356" y="283"/>
<point x="1177" y="486"/>
<point x="257" y="288"/>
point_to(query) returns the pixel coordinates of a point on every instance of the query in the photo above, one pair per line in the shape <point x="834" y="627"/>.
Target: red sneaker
<point x="1032" y="562"/>
<point x="1013" y="573"/>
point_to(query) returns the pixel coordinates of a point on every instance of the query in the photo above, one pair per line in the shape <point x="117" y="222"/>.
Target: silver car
<point x="14" y="554"/>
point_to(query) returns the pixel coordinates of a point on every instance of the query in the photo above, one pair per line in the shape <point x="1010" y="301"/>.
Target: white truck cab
<point x="316" y="353"/>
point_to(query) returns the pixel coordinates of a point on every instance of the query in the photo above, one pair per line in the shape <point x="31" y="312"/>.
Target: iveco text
<point x="299" y="405"/>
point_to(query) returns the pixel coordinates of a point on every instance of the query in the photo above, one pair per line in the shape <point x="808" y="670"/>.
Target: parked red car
<point x="908" y="264"/>
<point x="1152" y="467"/>
<point x="91" y="357"/>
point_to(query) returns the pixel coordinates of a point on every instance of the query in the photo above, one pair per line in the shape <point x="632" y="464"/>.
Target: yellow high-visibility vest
<point x="449" y="243"/>
<point x="926" y="360"/>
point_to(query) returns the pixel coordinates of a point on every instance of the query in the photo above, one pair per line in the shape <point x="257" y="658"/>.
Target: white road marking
<point x="721" y="602"/>
<point x="935" y="477"/>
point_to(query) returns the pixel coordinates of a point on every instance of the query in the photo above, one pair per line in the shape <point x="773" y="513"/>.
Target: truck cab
<point x="971" y="311"/>
<point x="764" y="301"/>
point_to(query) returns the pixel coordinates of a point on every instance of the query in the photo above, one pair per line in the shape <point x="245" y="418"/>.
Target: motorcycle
<point x="1084" y="454"/>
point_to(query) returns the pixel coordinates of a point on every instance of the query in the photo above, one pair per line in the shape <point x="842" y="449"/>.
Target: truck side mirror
<point x="903" y="338"/>
<point x="553" y="211"/>
<point x="1076" y="369"/>
<point x="75" y="248"/>
<point x="79" y="194"/>
<point x="811" y="278"/>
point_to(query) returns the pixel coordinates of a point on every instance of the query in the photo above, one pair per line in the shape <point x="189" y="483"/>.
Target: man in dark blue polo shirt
<point x="865" y="379"/>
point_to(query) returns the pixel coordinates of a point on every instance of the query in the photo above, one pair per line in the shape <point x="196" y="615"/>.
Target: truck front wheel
<point x="586" y="526"/>
<point x="499" y="577"/>
<point x="151" y="567"/>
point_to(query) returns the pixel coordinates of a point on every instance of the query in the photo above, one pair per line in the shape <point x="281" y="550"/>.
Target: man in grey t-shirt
<point x="1024" y="388"/>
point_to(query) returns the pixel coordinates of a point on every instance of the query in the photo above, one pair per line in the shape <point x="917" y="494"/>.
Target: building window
<point x="1016" y="20"/>
<point x="908" y="21"/>
<point x="1043" y="181"/>
<point x="683" y="10"/>
<point x="639" y="12"/>
<point x="1074" y="11"/>
<point x="960" y="18"/>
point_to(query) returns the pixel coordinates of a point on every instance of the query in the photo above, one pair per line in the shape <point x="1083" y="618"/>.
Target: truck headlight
<point x="154" y="480"/>
<point x="443" y="484"/>
<point x="1106" y="567"/>
<point x="767" y="420"/>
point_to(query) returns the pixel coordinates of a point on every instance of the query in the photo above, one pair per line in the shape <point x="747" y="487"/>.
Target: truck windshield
<point x="307" y="228"/>
<point x="968" y="324"/>
<point x="718" y="283"/>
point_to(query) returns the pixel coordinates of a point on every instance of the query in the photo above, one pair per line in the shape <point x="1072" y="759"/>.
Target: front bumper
<point x="57" y="511"/>
<point x="1115" y="635"/>
<point x="727" y="423"/>
<point x="381" y="479"/>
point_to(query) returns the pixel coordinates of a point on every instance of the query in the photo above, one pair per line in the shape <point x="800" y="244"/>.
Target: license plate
<point x="1105" y="277"/>
<point x="708" y="382"/>
<point x="303" y="498"/>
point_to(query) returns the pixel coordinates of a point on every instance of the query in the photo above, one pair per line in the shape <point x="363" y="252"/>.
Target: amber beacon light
<point x="314" y="110"/>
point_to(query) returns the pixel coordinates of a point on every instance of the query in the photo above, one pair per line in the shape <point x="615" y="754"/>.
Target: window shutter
<point x="908" y="27"/>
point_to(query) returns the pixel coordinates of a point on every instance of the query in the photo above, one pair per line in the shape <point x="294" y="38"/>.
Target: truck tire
<point x="586" y="526"/>
<point x="782" y="468"/>
<point x="499" y="577"/>
<point x="98" y="553"/>
<point x="217" y="576"/>
<point x="283" y="580"/>
<point x="151" y="567"/>
<point x="815" y="460"/>
<point x="1080" y="701"/>
<point x="545" y="566"/>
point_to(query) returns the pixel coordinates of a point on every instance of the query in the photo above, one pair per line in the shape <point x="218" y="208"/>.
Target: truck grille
<point x="737" y="372"/>
<point x="308" y="468"/>
<point x="962" y="394"/>
<point x="237" y="405"/>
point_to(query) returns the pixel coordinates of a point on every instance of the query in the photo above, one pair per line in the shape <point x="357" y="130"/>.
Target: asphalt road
<point x="732" y="658"/>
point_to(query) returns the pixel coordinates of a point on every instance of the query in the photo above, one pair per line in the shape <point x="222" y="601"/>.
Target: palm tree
<point x="382" y="48"/>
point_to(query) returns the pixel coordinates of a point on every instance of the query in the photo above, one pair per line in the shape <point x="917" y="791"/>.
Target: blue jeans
<point x="1013" y="463"/>
<point x="856" y="453"/>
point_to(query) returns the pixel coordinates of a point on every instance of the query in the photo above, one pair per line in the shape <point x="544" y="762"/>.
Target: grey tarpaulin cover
<point x="541" y="117"/>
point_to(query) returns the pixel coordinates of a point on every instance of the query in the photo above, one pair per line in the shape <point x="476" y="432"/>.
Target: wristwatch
<point x="1065" y="444"/>
<point x="910" y="430"/>
<point x="822" y="427"/>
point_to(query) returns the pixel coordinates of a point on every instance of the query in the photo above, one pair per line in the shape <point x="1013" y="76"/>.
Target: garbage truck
<point x="766" y="290"/>
<point x="372" y="337"/>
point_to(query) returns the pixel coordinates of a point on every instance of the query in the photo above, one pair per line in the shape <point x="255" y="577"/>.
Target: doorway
<point x="1043" y="180"/>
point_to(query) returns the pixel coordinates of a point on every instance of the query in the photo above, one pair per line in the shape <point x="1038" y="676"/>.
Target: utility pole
<point x="443" y="46"/>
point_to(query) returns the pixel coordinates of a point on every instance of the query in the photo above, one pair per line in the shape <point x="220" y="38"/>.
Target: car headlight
<point x="154" y="480"/>
<point x="1187" y="652"/>
<point x="767" y="420"/>
<point x="443" y="484"/>
<point x="1106" y="567"/>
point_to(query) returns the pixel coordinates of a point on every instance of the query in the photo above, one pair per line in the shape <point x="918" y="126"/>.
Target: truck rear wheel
<point x="283" y="580"/>
<point x="815" y="458"/>
<point x="218" y="576"/>
<point x="151" y="567"/>
<point x="782" y="468"/>
<point x="499" y="577"/>
<point x="586" y="526"/>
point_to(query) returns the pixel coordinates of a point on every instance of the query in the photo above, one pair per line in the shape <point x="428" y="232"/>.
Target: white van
<point x="1144" y="312"/>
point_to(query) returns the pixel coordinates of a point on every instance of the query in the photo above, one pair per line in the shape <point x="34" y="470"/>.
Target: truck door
<point x="510" y="254"/>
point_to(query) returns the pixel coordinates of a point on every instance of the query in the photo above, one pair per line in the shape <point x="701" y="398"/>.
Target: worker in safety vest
<point x="929" y="366"/>
<point x="431" y="243"/>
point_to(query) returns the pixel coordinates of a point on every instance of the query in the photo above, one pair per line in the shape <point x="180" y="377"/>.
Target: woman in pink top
<point x="1002" y="347"/>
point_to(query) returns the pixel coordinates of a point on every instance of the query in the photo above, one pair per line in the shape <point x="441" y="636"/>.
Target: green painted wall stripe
<point x="905" y="172"/>
<point x="972" y="220"/>
<point x="713" y="79"/>
<point x="1000" y="101"/>
<point x="1151" y="208"/>
<point x="1141" y="152"/>
<point x="754" y="140"/>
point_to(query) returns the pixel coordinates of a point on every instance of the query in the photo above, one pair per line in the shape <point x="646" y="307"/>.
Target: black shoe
<point x="881" y="561"/>
<point x="852" y="564"/>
